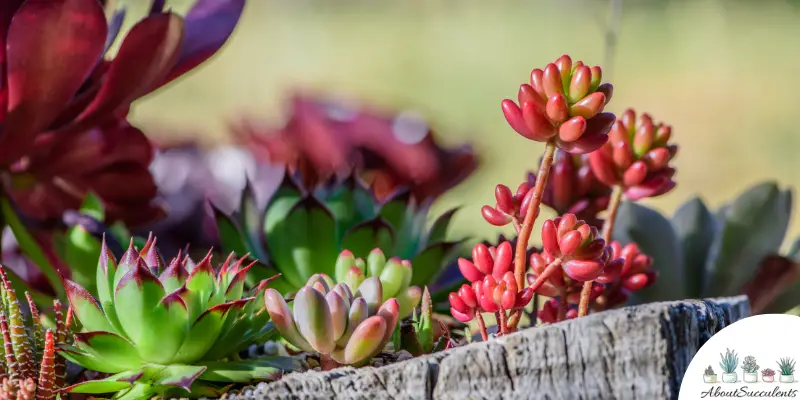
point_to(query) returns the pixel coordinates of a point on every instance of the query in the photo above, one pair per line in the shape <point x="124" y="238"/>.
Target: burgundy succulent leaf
<point x="324" y="138"/>
<point x="62" y="106"/>
<point x="637" y="156"/>
<point x="548" y="314"/>
<point x="563" y="103"/>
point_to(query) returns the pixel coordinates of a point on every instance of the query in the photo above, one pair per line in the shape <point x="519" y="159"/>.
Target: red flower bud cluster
<point x="636" y="156"/>
<point x="573" y="189"/>
<point x="564" y="103"/>
<point x="493" y="287"/>
<point x="636" y="274"/>
<point x="509" y="207"/>
<point x="583" y="253"/>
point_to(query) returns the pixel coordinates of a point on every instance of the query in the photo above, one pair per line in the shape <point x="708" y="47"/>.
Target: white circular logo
<point x="756" y="357"/>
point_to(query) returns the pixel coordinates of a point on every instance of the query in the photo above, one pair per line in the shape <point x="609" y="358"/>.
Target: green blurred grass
<point x="723" y="73"/>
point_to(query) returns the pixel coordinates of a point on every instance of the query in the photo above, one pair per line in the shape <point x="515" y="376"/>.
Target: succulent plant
<point x="30" y="368"/>
<point x="202" y="321"/>
<point x="750" y="365"/>
<point x="577" y="249"/>
<point x="559" y="284"/>
<point x="493" y="288"/>
<point x="786" y="366"/>
<point x="768" y="372"/>
<point x="324" y="137"/>
<point x="636" y="157"/>
<point x="63" y="121"/>
<point x="729" y="361"/>
<point x="704" y="254"/>
<point x="710" y="371"/>
<point x="394" y="274"/>
<point x="574" y="189"/>
<point x="302" y="231"/>
<point x="636" y="274"/>
<point x="563" y="103"/>
<point x="346" y="326"/>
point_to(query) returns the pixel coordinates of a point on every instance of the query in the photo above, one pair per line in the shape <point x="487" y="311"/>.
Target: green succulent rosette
<point x="168" y="330"/>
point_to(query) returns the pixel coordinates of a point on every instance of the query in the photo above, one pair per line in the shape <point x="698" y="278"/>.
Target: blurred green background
<point x="723" y="73"/>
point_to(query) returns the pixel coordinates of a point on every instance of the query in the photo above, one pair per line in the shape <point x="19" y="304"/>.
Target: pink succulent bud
<point x="563" y="102"/>
<point x="494" y="261"/>
<point x="509" y="206"/>
<point x="636" y="156"/>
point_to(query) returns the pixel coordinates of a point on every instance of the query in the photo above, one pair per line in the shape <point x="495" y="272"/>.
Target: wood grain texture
<point x="637" y="352"/>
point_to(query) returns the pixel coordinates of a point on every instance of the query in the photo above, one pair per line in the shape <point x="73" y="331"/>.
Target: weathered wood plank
<point x="637" y="352"/>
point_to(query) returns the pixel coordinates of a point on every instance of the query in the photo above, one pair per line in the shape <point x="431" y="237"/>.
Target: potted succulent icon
<point x="786" y="366"/>
<point x="768" y="375"/>
<point x="729" y="362"/>
<point x="750" y="368"/>
<point x="709" y="376"/>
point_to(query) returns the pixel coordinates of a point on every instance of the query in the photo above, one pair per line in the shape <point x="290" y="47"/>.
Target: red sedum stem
<point x="530" y="217"/>
<point x="481" y="326"/>
<point x="562" y="305"/>
<point x="608" y="228"/>
<point x="526" y="228"/>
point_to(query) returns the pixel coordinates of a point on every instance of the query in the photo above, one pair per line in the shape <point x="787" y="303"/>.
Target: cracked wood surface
<point x="638" y="352"/>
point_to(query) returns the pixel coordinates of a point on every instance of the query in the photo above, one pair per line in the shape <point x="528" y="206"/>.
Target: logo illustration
<point x="747" y="368"/>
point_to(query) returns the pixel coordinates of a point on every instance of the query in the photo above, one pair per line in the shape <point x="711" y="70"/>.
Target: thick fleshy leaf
<point x="280" y="205"/>
<point x="359" y="312"/>
<point x="30" y="247"/>
<point x="209" y="23"/>
<point x="752" y="228"/>
<point x="694" y="226"/>
<point x="775" y="276"/>
<point x="429" y="263"/>
<point x="88" y="361"/>
<point x="238" y="334"/>
<point x="81" y="252"/>
<point x="655" y="236"/>
<point x="110" y="349"/>
<point x="147" y="53"/>
<point x="284" y="320"/>
<point x="86" y="308"/>
<point x="230" y="235"/>
<point x="371" y="290"/>
<point x="138" y="299"/>
<point x="313" y="318"/>
<point x="202" y="334"/>
<point x="438" y="231"/>
<point x="200" y="287"/>
<point x="262" y="369"/>
<point x="180" y="376"/>
<point x="251" y="218"/>
<point x="113" y="383"/>
<point x="304" y="242"/>
<point x="368" y="235"/>
<point x="366" y="340"/>
<point x="393" y="278"/>
<point x="52" y="47"/>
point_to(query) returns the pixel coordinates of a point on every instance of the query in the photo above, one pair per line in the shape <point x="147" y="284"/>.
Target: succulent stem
<point x="526" y="228"/>
<point x="327" y="363"/>
<point x="608" y="228"/>
<point x="481" y="326"/>
<point x="562" y="304"/>
<point x="502" y="322"/>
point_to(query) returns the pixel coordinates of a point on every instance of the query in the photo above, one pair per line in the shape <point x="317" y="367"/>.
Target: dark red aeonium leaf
<point x="58" y="91"/>
<point x="111" y="160"/>
<point x="324" y="138"/>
